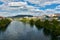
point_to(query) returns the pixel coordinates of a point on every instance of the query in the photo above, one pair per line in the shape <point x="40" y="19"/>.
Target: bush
<point x="31" y="22"/>
<point x="53" y="26"/>
<point x="39" y="24"/>
<point x="4" y="23"/>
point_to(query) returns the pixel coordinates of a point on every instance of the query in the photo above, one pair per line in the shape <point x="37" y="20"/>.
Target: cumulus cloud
<point x="6" y="0"/>
<point x="50" y="11"/>
<point x="17" y="4"/>
<point x="5" y="14"/>
<point x="10" y="7"/>
<point x="58" y="7"/>
<point x="43" y="2"/>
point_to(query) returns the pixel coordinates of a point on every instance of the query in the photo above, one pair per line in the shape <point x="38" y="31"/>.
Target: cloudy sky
<point x="31" y="7"/>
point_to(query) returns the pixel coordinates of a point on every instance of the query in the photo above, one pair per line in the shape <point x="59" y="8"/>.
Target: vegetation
<point x="4" y="23"/>
<point x="31" y="22"/>
<point x="38" y="23"/>
<point x="52" y="26"/>
<point x="25" y="20"/>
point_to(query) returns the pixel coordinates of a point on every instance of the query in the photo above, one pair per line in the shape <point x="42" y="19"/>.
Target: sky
<point x="29" y="7"/>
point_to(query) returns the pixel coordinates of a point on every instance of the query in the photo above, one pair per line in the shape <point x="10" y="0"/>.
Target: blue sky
<point x="1" y="3"/>
<point x="31" y="7"/>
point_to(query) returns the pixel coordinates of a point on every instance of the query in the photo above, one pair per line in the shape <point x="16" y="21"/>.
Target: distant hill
<point x="18" y="16"/>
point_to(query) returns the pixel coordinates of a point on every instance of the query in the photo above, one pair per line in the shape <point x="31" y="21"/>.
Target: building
<point x="1" y="17"/>
<point x="55" y="16"/>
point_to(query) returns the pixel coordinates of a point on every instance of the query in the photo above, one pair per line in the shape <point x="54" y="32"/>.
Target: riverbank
<point x="52" y="26"/>
<point x="4" y="23"/>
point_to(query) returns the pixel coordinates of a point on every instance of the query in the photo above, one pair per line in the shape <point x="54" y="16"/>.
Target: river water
<point x="21" y="31"/>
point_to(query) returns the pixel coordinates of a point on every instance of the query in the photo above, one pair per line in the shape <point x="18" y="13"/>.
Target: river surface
<point x="20" y="31"/>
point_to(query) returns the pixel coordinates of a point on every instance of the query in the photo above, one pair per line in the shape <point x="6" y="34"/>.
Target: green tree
<point x="39" y="24"/>
<point x="4" y="23"/>
<point x="31" y="22"/>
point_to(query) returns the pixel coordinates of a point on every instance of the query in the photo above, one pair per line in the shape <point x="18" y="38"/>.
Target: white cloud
<point x="44" y="2"/>
<point x="24" y="8"/>
<point x="58" y="7"/>
<point x="17" y="4"/>
<point x="6" y="0"/>
<point x="5" y="14"/>
<point x="50" y="11"/>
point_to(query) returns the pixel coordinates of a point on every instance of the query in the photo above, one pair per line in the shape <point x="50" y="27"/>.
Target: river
<point x="21" y="31"/>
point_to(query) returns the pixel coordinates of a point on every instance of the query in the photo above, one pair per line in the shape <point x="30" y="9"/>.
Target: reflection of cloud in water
<point x="19" y="31"/>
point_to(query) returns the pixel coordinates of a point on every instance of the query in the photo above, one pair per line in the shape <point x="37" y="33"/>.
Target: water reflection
<point x="54" y="37"/>
<point x="38" y="27"/>
<point x="46" y="31"/>
<point x="21" y="31"/>
<point x="3" y="29"/>
<point x="31" y="25"/>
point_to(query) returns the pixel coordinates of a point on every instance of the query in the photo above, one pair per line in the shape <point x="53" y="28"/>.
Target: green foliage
<point x="24" y="20"/>
<point x="55" y="22"/>
<point x="46" y="24"/>
<point x="39" y="24"/>
<point x="55" y="27"/>
<point x="46" y="31"/>
<point x="4" y="23"/>
<point x="52" y="26"/>
<point x="31" y="22"/>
